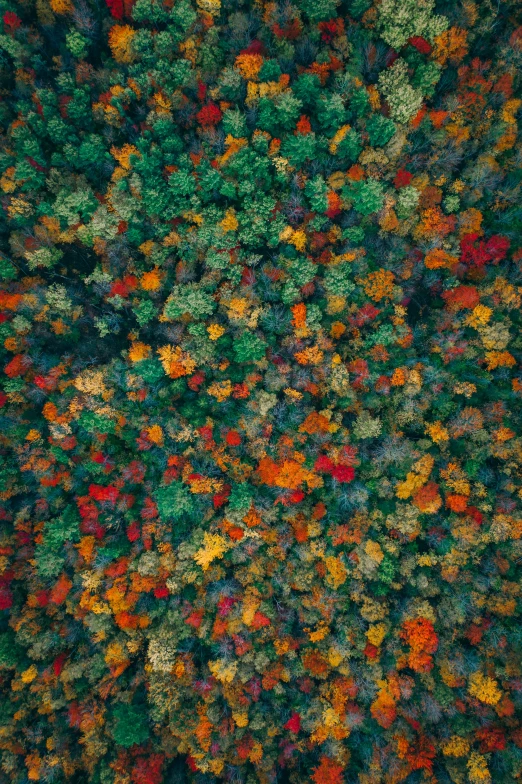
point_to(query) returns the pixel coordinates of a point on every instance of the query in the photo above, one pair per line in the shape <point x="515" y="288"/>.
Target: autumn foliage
<point x="260" y="392"/>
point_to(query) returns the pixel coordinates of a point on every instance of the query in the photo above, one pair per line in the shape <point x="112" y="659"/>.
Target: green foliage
<point x="189" y="299"/>
<point x="380" y="130"/>
<point x="174" y="501"/>
<point x="249" y="347"/>
<point x="400" y="20"/>
<point x="77" y="44"/>
<point x="367" y="196"/>
<point x="404" y="100"/>
<point x="319" y="10"/>
<point x="129" y="725"/>
<point x="350" y="146"/>
<point x="337" y="280"/>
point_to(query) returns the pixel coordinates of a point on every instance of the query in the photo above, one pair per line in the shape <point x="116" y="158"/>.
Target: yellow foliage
<point x="123" y="154"/>
<point x="155" y="434"/>
<point x="215" y="331"/>
<point x="335" y="304"/>
<point x="478" y="769"/>
<point x="176" y="362"/>
<point x="438" y="258"/>
<point x="337" y="572"/>
<point x="120" y="42"/>
<point x="484" y="688"/>
<point x="115" y="654"/>
<point x="437" y="432"/>
<point x="151" y="281"/>
<point x="249" y="65"/>
<point x="479" y="316"/>
<point x="309" y="356"/>
<point x="374" y="551"/>
<point x="229" y="222"/>
<point x="7" y="182"/>
<point x="214" y="546"/>
<point x="222" y="670"/>
<point x="470" y="222"/>
<point x="220" y="390"/>
<point x="240" y="718"/>
<point x="29" y="675"/>
<point x="450" y="45"/>
<point x="319" y="633"/>
<point x="139" y="351"/>
<point x="147" y="247"/>
<point x="408" y="487"/>
<point x="497" y="359"/>
<point x="296" y="238"/>
<point x="256" y="753"/>
<point x="211" y="7"/>
<point x="237" y="308"/>
<point x="19" y="208"/>
<point x="510" y="109"/>
<point x="379" y="284"/>
<point x="455" y="747"/>
<point x="337" y="139"/>
<point x="61" y="6"/>
<point x="376" y="634"/>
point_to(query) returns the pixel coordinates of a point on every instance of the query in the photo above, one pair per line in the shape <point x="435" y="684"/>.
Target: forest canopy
<point x="260" y="391"/>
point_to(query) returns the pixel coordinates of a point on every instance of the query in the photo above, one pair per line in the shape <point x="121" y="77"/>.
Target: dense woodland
<point x="260" y="391"/>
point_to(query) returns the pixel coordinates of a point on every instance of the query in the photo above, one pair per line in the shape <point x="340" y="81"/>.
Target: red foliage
<point x="323" y="463"/>
<point x="124" y="287"/>
<point x="294" y="723"/>
<point x="202" y="90"/>
<point x="334" y="205"/>
<point x="491" y="738"/>
<point x="191" y="762"/>
<point x="233" y="438"/>
<point x="303" y="126"/>
<point x="17" y="366"/>
<point x="59" y="663"/>
<point x="420" y="44"/>
<point x="463" y="297"/>
<point x="147" y="770"/>
<point x="343" y="473"/>
<point x="422" y="755"/>
<point x="6" y="598"/>
<point x="133" y="531"/>
<point x="195" y="619"/>
<point x="478" y="254"/>
<point x="196" y="380"/>
<point x="209" y="115"/>
<point x="11" y="22"/>
<point x="255" y="47"/>
<point x="101" y="493"/>
<point x="60" y="590"/>
<point x="328" y="30"/>
<point x="475" y="515"/>
<point x="371" y="651"/>
<point x="328" y="772"/>
<point x="290" y="31"/>
<point x="260" y="620"/>
<point x="116" y="8"/>
<point x="420" y="634"/>
<point x="402" y="178"/>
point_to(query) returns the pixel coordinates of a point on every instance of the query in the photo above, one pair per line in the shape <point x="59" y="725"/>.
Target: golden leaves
<point x="214" y="547"/>
<point x="176" y="362"/>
